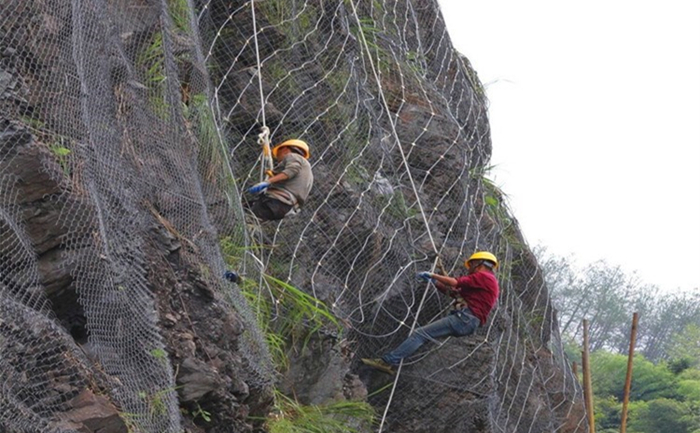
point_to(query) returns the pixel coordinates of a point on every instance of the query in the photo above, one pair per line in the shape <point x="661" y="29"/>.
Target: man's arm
<point x="447" y="281"/>
<point x="445" y="285"/>
<point x="279" y="177"/>
<point x="443" y="288"/>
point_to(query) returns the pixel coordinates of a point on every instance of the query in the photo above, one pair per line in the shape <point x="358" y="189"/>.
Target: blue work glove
<point x="232" y="276"/>
<point x="258" y="187"/>
<point x="426" y="276"/>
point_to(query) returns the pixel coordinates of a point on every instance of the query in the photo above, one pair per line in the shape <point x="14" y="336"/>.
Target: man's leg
<point x="440" y="328"/>
<point x="278" y="209"/>
<point x="269" y="209"/>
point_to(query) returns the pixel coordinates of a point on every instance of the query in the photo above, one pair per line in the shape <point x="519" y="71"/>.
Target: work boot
<point x="379" y="364"/>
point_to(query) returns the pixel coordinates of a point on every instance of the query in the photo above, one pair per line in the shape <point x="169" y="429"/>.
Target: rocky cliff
<point x="128" y="133"/>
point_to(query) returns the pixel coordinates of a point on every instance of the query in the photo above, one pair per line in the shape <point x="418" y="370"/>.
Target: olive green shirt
<point x="295" y="190"/>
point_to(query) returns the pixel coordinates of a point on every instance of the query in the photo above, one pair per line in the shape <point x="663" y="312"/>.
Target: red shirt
<point x="480" y="290"/>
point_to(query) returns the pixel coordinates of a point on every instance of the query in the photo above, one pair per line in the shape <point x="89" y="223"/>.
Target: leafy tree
<point x="689" y="385"/>
<point x="665" y="391"/>
<point x="689" y="390"/>
<point x="649" y="381"/>
<point x="607" y="297"/>
<point x="601" y="293"/>
<point x="669" y="318"/>
<point x="608" y="413"/>
<point x="685" y="346"/>
<point x="662" y="416"/>
<point x="572" y="349"/>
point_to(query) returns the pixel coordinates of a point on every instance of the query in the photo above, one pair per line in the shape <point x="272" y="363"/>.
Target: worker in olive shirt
<point x="474" y="296"/>
<point x="287" y="190"/>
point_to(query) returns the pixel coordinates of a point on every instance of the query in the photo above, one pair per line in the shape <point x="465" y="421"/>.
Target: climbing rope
<point x="259" y="66"/>
<point x="266" y="166"/>
<point x="266" y="163"/>
<point x="415" y="192"/>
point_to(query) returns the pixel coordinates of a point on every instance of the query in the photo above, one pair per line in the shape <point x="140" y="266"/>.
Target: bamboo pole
<point x="628" y="379"/>
<point x="587" y="388"/>
<point x="584" y="379"/>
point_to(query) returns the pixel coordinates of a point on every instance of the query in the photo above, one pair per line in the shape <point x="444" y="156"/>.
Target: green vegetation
<point x="285" y="313"/>
<point x="62" y="154"/>
<point x="367" y="33"/>
<point x="472" y="76"/>
<point x="416" y="63"/>
<point x="151" y="58"/>
<point x="33" y="123"/>
<point x="660" y="401"/>
<point x="338" y="80"/>
<point x="155" y="401"/>
<point x="161" y="355"/>
<point x="494" y="200"/>
<point x="337" y="417"/>
<point x="293" y="22"/>
<point x="395" y="205"/>
<point x="495" y="206"/>
<point x="156" y="408"/>
<point x="211" y="156"/>
<point x="275" y="11"/>
<point x="180" y="15"/>
<point x="151" y="61"/>
<point x="206" y="416"/>
<point x="608" y="297"/>
<point x="275" y="71"/>
<point x="288" y="316"/>
<point x="665" y="391"/>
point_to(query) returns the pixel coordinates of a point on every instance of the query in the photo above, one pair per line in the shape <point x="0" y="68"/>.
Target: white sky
<point x="595" y="119"/>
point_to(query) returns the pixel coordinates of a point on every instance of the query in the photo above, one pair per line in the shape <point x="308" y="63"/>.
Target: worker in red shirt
<point x="474" y="296"/>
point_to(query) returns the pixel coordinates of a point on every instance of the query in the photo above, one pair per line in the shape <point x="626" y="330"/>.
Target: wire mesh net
<point x="150" y="111"/>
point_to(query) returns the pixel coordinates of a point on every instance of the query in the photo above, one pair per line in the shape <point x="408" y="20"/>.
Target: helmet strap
<point x="296" y="150"/>
<point x="476" y="263"/>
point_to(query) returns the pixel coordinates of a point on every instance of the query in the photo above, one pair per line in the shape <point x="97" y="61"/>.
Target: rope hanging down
<point x="267" y="164"/>
<point x="415" y="192"/>
<point x="264" y="136"/>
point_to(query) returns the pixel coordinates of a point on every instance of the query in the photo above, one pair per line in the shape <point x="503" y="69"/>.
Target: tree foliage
<point x="662" y="416"/>
<point x="660" y="401"/>
<point x="649" y="381"/>
<point x="665" y="388"/>
<point x="607" y="297"/>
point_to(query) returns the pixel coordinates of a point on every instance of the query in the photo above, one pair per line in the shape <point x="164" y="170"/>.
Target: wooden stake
<point x="628" y="379"/>
<point x="574" y="367"/>
<point x="587" y="387"/>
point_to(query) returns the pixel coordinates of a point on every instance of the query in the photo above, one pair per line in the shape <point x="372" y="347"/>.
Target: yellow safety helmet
<point x="482" y="255"/>
<point x="292" y="143"/>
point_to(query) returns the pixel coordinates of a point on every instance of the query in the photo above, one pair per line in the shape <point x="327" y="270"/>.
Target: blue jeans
<point x="456" y="324"/>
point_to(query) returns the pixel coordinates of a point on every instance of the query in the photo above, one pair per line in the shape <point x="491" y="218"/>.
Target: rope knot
<point x="264" y="136"/>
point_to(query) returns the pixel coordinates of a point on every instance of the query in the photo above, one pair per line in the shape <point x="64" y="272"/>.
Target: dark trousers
<point x="267" y="208"/>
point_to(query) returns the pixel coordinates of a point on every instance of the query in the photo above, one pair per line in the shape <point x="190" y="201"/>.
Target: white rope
<point x="413" y="186"/>
<point x="259" y="67"/>
<point x="266" y="163"/>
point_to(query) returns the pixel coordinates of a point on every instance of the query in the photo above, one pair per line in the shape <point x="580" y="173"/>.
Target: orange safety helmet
<point x="293" y="143"/>
<point x="482" y="255"/>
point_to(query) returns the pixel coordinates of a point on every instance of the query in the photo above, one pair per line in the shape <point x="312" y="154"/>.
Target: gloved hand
<point x="258" y="187"/>
<point x="427" y="276"/>
<point x="232" y="276"/>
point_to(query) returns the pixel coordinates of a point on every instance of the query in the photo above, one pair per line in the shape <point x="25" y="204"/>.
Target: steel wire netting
<point x="134" y="112"/>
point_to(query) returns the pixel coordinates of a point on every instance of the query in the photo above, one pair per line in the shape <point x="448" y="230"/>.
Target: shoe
<point x="379" y="364"/>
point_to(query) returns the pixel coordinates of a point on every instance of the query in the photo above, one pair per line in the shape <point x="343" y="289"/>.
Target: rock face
<point x="127" y="134"/>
